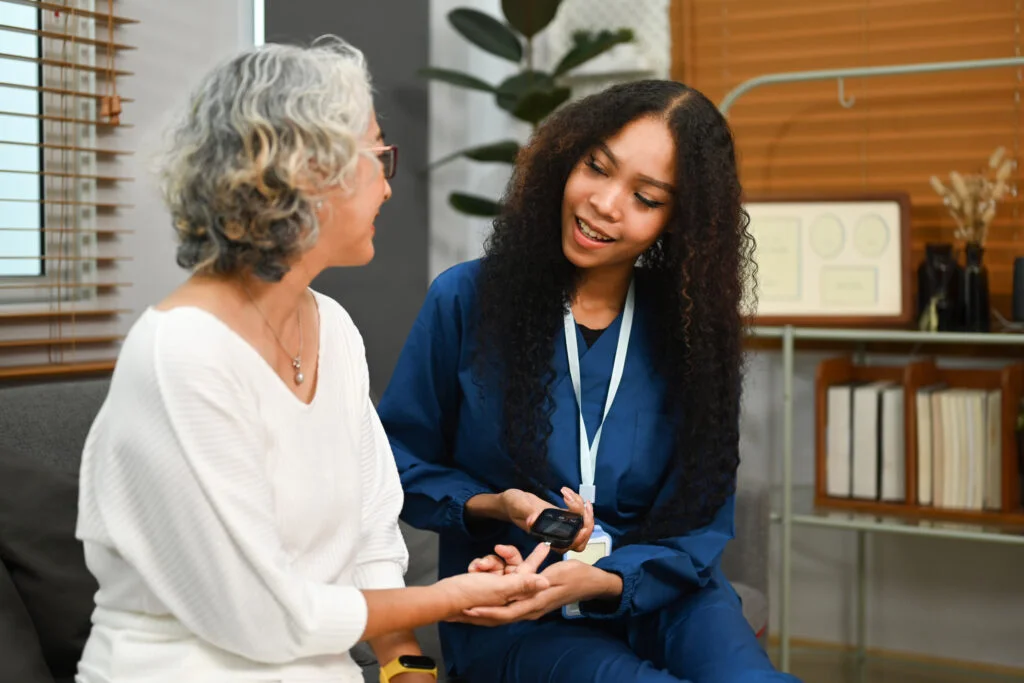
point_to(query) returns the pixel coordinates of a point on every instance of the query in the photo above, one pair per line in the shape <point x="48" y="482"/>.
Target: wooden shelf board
<point x="922" y="512"/>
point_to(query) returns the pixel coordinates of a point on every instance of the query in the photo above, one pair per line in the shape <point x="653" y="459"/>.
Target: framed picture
<point x="832" y="261"/>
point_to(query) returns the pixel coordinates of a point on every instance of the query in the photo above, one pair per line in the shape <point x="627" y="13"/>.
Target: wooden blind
<point x="900" y="130"/>
<point x="61" y="186"/>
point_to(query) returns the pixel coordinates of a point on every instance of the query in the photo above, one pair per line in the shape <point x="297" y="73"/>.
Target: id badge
<point x="600" y="545"/>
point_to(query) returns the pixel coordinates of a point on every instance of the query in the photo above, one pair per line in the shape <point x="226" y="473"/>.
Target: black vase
<point x="1018" y="295"/>
<point x="974" y="290"/>
<point x="938" y="278"/>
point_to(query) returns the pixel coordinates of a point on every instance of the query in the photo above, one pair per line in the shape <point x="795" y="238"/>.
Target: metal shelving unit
<point x="861" y="523"/>
<point x="797" y="504"/>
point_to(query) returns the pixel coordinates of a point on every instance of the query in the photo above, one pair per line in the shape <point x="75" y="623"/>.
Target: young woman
<point x="614" y="275"/>
<point x="239" y="502"/>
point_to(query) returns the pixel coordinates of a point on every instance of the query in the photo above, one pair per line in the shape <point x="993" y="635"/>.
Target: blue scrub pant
<point x="703" y="638"/>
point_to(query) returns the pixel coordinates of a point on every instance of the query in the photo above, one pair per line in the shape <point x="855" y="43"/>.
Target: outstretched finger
<point x="531" y="565"/>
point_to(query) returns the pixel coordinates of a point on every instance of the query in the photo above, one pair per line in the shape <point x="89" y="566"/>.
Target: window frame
<point x="11" y="278"/>
<point x="71" y="280"/>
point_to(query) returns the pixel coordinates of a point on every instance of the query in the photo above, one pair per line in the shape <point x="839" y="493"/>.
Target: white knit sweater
<point x="229" y="524"/>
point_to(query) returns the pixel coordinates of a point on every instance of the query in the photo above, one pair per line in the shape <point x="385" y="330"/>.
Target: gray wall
<point x="167" y="67"/>
<point x="383" y="297"/>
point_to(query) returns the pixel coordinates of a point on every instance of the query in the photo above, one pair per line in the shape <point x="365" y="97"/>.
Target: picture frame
<point x="837" y="260"/>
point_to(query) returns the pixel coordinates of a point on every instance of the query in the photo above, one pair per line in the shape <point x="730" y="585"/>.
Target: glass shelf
<point x="883" y="335"/>
<point x="802" y="510"/>
<point x="828" y="663"/>
<point x="806" y="514"/>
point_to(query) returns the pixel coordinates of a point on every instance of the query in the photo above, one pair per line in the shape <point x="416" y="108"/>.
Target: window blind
<point x="60" y="204"/>
<point x="899" y="131"/>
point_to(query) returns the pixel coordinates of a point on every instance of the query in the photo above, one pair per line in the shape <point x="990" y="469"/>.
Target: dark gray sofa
<point x="46" y="592"/>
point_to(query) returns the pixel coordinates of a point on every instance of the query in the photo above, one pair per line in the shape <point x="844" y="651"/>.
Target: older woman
<point x="239" y="499"/>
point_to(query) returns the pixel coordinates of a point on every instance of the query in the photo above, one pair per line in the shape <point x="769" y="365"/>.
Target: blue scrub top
<point x="444" y="426"/>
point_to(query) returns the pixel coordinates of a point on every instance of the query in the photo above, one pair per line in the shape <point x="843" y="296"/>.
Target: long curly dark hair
<point x="697" y="272"/>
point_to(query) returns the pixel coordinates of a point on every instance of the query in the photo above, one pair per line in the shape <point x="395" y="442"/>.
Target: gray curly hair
<point x="264" y="135"/>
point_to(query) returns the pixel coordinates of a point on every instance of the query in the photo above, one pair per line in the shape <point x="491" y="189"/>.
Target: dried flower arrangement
<point x="971" y="199"/>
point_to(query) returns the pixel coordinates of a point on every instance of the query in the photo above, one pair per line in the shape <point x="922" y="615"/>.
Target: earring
<point x="319" y="204"/>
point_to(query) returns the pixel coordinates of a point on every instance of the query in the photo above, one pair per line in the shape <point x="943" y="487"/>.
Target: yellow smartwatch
<point x="407" y="664"/>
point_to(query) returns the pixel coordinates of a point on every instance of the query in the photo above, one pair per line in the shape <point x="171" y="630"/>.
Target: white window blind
<point x="60" y="214"/>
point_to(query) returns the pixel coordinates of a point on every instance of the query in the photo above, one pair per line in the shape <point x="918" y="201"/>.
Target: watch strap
<point x="395" y="667"/>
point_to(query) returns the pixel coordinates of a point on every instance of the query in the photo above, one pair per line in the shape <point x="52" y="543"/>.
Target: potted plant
<point x="971" y="200"/>
<point x="529" y="95"/>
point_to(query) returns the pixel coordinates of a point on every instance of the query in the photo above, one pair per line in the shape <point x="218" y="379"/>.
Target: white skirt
<point x="136" y="648"/>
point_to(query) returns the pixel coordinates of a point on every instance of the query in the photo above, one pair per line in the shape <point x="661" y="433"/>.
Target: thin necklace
<point x="297" y="358"/>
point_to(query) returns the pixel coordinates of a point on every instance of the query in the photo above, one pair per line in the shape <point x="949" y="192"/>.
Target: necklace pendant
<point x="297" y="364"/>
<point x="299" y="378"/>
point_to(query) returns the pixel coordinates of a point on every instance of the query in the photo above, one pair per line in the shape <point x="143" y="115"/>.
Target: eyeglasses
<point x="388" y="157"/>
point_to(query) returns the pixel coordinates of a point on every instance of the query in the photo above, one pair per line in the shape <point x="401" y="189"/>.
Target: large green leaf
<point x="537" y="104"/>
<point x="497" y="152"/>
<point x="487" y="33"/>
<point x="456" y="78"/>
<point x="588" y="45"/>
<point x="530" y="17"/>
<point x="515" y="88"/>
<point x="473" y="205"/>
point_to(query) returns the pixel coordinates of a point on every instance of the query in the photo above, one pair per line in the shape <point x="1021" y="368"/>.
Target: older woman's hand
<point x="505" y="560"/>
<point x="569" y="581"/>
<point x="476" y="589"/>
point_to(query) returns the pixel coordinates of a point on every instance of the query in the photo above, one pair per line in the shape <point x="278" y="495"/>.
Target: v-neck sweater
<point x="230" y="525"/>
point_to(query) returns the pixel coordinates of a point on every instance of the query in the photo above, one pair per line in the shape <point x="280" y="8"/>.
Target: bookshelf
<point x="973" y="491"/>
<point x="803" y="505"/>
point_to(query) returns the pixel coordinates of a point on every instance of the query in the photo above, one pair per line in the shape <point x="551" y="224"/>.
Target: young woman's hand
<point x="481" y="589"/>
<point x="523" y="509"/>
<point x="570" y="581"/>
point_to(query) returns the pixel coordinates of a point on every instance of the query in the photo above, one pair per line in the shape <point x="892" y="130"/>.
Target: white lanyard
<point x="588" y="451"/>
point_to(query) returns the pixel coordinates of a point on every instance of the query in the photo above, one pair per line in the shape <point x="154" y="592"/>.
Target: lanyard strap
<point x="588" y="451"/>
